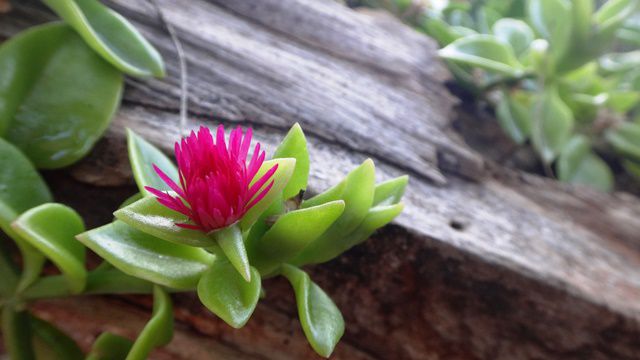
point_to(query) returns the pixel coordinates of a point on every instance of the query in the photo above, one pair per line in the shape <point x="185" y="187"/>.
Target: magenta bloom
<point x="215" y="178"/>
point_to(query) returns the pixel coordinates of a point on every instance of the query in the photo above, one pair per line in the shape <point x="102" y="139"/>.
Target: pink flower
<point x="215" y="188"/>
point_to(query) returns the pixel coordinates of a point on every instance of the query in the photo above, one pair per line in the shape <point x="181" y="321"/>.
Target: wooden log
<point x="485" y="262"/>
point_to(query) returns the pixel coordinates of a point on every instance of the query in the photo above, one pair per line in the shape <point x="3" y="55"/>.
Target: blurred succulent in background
<point x="562" y="75"/>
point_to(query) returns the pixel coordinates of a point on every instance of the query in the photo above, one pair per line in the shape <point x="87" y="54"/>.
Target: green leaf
<point x="286" y="167"/>
<point x="514" y="32"/>
<point x="146" y="257"/>
<point x="623" y="101"/>
<point x="321" y="319"/>
<point x="51" y="343"/>
<point x="390" y="192"/>
<point x="483" y="51"/>
<point x="21" y="188"/>
<point x="142" y="156"/>
<point x="59" y="96"/>
<point x="16" y="334"/>
<point x="153" y="218"/>
<point x="51" y="228"/>
<point x="376" y="218"/>
<point x="358" y="197"/>
<point x="292" y="232"/>
<point x="111" y="36"/>
<point x="231" y="243"/>
<point x="99" y="281"/>
<point x="158" y="331"/>
<point x="443" y="33"/>
<point x="514" y="118"/>
<point x="109" y="346"/>
<point x="625" y="138"/>
<point x="620" y="62"/>
<point x="552" y="20"/>
<point x="9" y="272"/>
<point x="577" y="164"/>
<point x="553" y="123"/>
<point x="223" y="291"/>
<point x="613" y="14"/>
<point x="294" y="145"/>
<point x="582" y="20"/>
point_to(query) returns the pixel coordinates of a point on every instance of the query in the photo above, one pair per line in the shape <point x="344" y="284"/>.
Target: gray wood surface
<point x="485" y="262"/>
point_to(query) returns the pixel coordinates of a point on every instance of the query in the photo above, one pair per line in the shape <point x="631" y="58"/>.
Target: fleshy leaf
<point x="153" y="218"/>
<point x="159" y="329"/>
<point x="390" y="192"/>
<point x="553" y="122"/>
<point x="483" y="51"/>
<point x="514" y="32"/>
<point x="51" y="343"/>
<point x="625" y="138"/>
<point x="376" y="218"/>
<point x="231" y="243"/>
<point x="613" y="13"/>
<point x="111" y="36"/>
<point x="294" y="145"/>
<point x="286" y="166"/>
<point x="577" y="164"/>
<point x="552" y="19"/>
<point x="109" y="346"/>
<point x="142" y="156"/>
<point x="321" y="319"/>
<point x="292" y="232"/>
<point x="223" y="291"/>
<point x="358" y="197"/>
<point x="52" y="111"/>
<point x="144" y="256"/>
<point x="51" y="228"/>
<point x="514" y="118"/>
<point x="21" y="188"/>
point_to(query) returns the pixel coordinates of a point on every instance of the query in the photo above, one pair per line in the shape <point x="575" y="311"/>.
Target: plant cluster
<point x="549" y="69"/>
<point x="216" y="224"/>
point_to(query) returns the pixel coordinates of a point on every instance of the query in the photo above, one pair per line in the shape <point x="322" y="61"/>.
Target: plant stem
<point x="17" y="333"/>
<point x="8" y="271"/>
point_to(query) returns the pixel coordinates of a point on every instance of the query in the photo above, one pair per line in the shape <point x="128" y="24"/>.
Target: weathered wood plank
<point x="505" y="266"/>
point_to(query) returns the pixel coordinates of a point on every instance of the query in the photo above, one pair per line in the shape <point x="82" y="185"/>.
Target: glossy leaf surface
<point x="142" y="156"/>
<point x="286" y="167"/>
<point x="483" y="51"/>
<point x="51" y="228"/>
<point x="111" y="36"/>
<point x="231" y="243"/>
<point x="294" y="145"/>
<point x="292" y="232"/>
<point x="159" y="329"/>
<point x="59" y="96"/>
<point x="390" y="191"/>
<point x="358" y="196"/>
<point x="153" y="218"/>
<point x="227" y="294"/>
<point x="321" y="319"/>
<point x="21" y="188"/>
<point x="141" y="255"/>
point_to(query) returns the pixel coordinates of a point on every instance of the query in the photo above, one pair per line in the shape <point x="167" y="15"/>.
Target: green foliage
<point x="61" y="86"/>
<point x="110" y="35"/>
<point x="52" y="111"/>
<point x="548" y="68"/>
